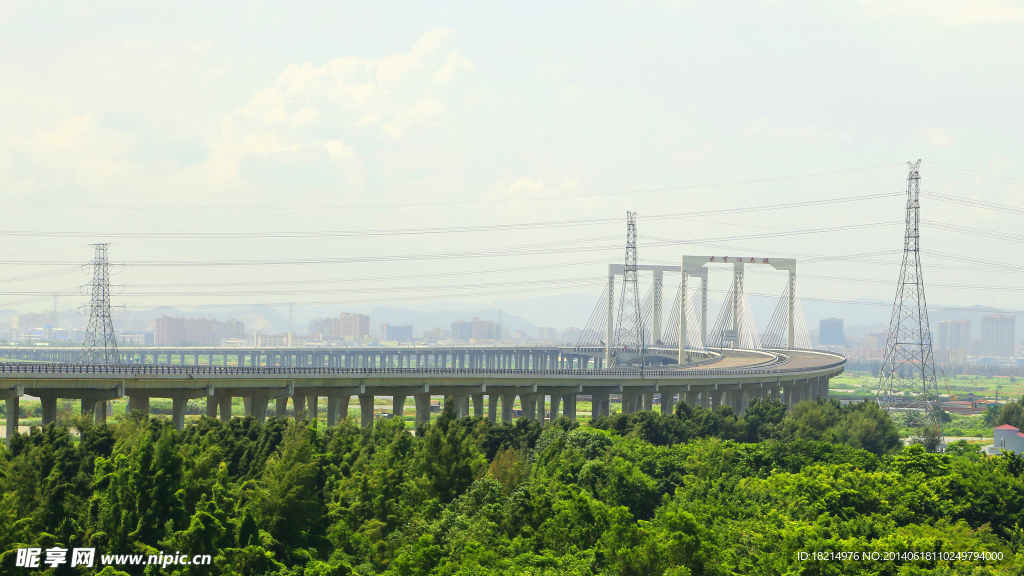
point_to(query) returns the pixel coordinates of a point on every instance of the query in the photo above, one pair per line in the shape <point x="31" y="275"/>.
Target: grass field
<point x="863" y="384"/>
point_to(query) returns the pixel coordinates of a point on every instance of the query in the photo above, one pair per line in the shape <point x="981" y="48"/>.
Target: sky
<point x="340" y="156"/>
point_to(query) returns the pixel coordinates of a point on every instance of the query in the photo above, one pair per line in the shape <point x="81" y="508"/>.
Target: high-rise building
<point x="354" y="325"/>
<point x="171" y="331"/>
<point x="485" y="330"/>
<point x="29" y="320"/>
<point x="200" y="332"/>
<point x="232" y="329"/>
<point x="954" y="335"/>
<point x="830" y="332"/>
<point x="462" y="331"/>
<point x="436" y="333"/>
<point x="549" y="334"/>
<point x="325" y="329"/>
<point x="571" y="336"/>
<point x="396" y="332"/>
<point x="997" y="335"/>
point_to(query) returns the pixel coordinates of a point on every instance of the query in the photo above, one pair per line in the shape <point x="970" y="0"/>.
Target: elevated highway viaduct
<point x="733" y="377"/>
<point x="489" y="357"/>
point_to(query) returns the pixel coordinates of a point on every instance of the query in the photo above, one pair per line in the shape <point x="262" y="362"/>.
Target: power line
<point x="574" y="246"/>
<point x="975" y="203"/>
<point x="976" y="174"/>
<point x="452" y="202"/>
<point x="320" y="235"/>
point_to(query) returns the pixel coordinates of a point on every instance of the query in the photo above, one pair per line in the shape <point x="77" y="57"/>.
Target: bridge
<point x="547" y="381"/>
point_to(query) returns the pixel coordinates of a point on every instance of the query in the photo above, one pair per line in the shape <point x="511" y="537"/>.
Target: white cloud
<point x="950" y="12"/>
<point x="937" y="136"/>
<point x="133" y="45"/>
<point x="808" y="133"/>
<point x="452" y="66"/>
<point x="345" y="97"/>
<point x="197" y="45"/>
<point x="524" y="186"/>
<point x="338" y="149"/>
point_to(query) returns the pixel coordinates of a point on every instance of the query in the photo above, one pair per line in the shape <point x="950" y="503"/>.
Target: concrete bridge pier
<point x="478" y="404"/>
<point x="225" y="408"/>
<point x="714" y="398"/>
<point x="649" y="401"/>
<point x="600" y="405"/>
<point x="311" y="407"/>
<point x="492" y="408"/>
<point x="366" y="410"/>
<point x="337" y="407"/>
<point x="422" y="408"/>
<point x="12" y="397"/>
<point x="398" y="406"/>
<point x="555" y="401"/>
<point x="49" y="405"/>
<point x="507" y="400"/>
<point x="281" y="410"/>
<point x="140" y="403"/>
<point x="569" y="406"/>
<point x="343" y="404"/>
<point x="668" y="400"/>
<point x="529" y="402"/>
<point x="178" y="406"/>
<point x="90" y="397"/>
<point x="736" y="400"/>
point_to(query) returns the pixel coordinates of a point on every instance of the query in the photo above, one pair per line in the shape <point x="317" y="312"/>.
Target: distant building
<point x="549" y="334"/>
<point x="131" y="339"/>
<point x="345" y="325"/>
<point x="830" y="332"/>
<point x="462" y="331"/>
<point x="325" y="328"/>
<point x="571" y="335"/>
<point x="954" y="335"/>
<point x="436" y="333"/>
<point x="485" y="330"/>
<point x="354" y="325"/>
<point x="31" y="320"/>
<point x="169" y="331"/>
<point x="396" y="332"/>
<point x="172" y="331"/>
<point x="997" y="335"/>
<point x="232" y="329"/>
<point x="1007" y="438"/>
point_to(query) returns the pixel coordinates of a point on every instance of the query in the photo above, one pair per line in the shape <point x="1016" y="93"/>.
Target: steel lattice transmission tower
<point x="908" y="367"/>
<point x="100" y="345"/>
<point x="629" y="335"/>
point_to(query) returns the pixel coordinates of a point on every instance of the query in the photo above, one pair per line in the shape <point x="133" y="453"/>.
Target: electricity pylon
<point x="100" y="346"/>
<point x="908" y="368"/>
<point x="629" y="335"/>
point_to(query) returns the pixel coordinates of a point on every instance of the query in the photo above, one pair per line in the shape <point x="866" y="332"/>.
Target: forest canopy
<point x="696" y="492"/>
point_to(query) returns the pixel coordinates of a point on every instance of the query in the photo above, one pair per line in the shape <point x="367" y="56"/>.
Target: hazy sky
<point x="218" y="133"/>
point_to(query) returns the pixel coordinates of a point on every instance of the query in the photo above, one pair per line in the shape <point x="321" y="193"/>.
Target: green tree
<point x="1011" y="413"/>
<point x="867" y="426"/>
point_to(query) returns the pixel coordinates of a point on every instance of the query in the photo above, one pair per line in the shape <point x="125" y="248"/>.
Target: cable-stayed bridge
<point x="686" y="327"/>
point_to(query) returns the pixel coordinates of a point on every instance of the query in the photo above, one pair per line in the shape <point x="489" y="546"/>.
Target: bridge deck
<point x="736" y="378"/>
